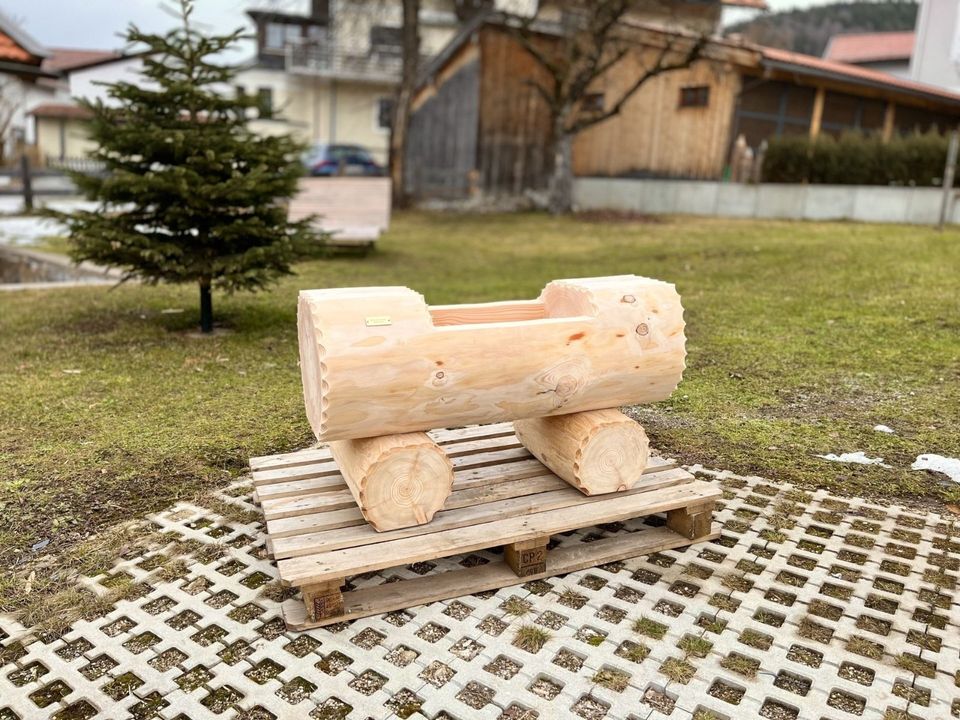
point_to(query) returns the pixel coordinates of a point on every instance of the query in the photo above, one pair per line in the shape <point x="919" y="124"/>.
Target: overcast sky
<point x="98" y="23"/>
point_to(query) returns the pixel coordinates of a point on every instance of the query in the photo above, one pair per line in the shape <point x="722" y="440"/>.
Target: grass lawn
<point x="801" y="338"/>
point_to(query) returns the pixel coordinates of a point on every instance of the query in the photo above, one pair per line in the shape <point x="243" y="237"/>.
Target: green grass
<point x="801" y="338"/>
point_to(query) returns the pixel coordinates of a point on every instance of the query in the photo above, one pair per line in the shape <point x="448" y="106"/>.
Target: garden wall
<point x="865" y="203"/>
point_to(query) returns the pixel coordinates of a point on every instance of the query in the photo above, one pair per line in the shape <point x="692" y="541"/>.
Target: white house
<point x="329" y="76"/>
<point x="325" y="76"/>
<point x="24" y="84"/>
<point x="936" y="55"/>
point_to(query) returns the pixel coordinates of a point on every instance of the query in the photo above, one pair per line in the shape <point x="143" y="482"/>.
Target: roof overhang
<point x="288" y="18"/>
<point x="106" y="61"/>
<point x="754" y="4"/>
<point x="61" y="111"/>
<point x="805" y="66"/>
<point x="24" y="70"/>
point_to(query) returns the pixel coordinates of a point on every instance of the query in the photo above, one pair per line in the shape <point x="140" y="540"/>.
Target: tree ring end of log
<point x="612" y="458"/>
<point x="406" y="486"/>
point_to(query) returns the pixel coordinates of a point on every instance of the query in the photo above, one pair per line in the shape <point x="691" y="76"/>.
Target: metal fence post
<point x="948" y="174"/>
<point x="27" y="182"/>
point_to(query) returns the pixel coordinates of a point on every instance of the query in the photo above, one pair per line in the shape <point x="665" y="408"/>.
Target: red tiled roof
<point x="870" y="47"/>
<point x="10" y="50"/>
<point x="62" y="59"/>
<point x="60" y="110"/>
<point x="809" y="65"/>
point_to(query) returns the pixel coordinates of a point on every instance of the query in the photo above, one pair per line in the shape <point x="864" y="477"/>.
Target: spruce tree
<point x="189" y="194"/>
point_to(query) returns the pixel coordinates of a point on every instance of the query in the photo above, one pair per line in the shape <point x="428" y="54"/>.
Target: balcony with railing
<point x="322" y="59"/>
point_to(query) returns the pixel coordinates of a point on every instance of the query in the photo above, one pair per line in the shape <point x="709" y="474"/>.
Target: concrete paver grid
<point x="807" y="606"/>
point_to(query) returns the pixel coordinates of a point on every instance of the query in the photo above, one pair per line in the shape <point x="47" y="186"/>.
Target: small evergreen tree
<point x="190" y="193"/>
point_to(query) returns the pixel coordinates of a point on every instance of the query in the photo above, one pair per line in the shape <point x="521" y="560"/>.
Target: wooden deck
<point x="354" y="210"/>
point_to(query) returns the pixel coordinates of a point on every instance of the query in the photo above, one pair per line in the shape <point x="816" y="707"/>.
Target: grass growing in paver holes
<point x="531" y="638"/>
<point x="741" y="664"/>
<point x="678" y="670"/>
<point x="694" y="645"/>
<point x="612" y="679"/>
<point x="802" y="337"/>
<point x="650" y="628"/>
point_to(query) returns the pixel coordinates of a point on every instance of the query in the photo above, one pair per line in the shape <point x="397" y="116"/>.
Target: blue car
<point x="324" y="160"/>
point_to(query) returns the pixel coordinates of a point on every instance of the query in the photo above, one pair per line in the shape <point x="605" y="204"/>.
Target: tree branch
<point x="661" y="66"/>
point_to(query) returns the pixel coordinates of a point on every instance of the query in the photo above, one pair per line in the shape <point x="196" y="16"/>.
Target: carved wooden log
<point x="379" y="361"/>
<point x="397" y="480"/>
<point x="598" y="451"/>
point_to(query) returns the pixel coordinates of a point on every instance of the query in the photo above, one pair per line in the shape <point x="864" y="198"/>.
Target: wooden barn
<point x="480" y="128"/>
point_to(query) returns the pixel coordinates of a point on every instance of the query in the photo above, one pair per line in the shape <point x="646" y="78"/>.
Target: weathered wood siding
<point x="653" y="135"/>
<point x="442" y="144"/>
<point x="510" y="146"/>
<point x="515" y="134"/>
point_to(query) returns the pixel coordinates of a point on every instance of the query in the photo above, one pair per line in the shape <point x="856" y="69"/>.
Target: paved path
<point x="807" y="607"/>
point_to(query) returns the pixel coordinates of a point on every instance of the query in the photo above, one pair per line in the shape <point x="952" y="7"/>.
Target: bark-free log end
<point x="597" y="451"/>
<point x="612" y="458"/>
<point x="406" y="486"/>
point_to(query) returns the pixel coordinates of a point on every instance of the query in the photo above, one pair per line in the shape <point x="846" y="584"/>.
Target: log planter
<point x="380" y="367"/>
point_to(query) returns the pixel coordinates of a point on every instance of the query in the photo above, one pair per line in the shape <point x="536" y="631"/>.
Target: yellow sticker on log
<point x="379" y="320"/>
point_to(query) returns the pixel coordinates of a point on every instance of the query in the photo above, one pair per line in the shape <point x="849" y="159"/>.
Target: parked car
<point x="323" y="160"/>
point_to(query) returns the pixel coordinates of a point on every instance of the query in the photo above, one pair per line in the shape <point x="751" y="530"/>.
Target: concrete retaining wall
<point x="23" y="269"/>
<point x="920" y="206"/>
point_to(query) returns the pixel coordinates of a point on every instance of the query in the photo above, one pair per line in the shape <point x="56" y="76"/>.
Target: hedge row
<point x="857" y="159"/>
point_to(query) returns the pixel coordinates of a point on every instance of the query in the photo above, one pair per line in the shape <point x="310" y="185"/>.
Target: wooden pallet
<point x="502" y="496"/>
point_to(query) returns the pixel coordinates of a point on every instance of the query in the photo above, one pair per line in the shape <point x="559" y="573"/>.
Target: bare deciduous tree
<point x="10" y="100"/>
<point x="410" y="47"/>
<point x="575" y="42"/>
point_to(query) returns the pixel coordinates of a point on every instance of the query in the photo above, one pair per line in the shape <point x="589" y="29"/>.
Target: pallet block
<point x="502" y="496"/>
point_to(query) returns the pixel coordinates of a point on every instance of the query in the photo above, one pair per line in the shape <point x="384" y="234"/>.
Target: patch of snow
<point x="858" y="457"/>
<point x="11" y="204"/>
<point x="28" y="230"/>
<point x="884" y="429"/>
<point x="938" y="463"/>
<point x="70" y="204"/>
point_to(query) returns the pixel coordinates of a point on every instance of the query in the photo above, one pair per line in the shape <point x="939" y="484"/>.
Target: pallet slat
<point x="539" y="501"/>
<point x="324" y="465"/>
<point x="331" y="565"/>
<point x="384" y="598"/>
<point x="441" y="437"/>
<point x="331" y="479"/>
<point x="317" y="499"/>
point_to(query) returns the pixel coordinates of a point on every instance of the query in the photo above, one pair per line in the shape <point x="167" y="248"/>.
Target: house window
<point x="241" y="91"/>
<point x="695" y="96"/>
<point x="384" y="113"/>
<point x="274" y="36"/>
<point x="277" y="35"/>
<point x="265" y="102"/>
<point x="592" y="103"/>
<point x="386" y="40"/>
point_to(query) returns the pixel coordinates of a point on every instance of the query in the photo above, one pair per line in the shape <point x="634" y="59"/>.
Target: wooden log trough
<point x="380" y="367"/>
<point x="538" y="450"/>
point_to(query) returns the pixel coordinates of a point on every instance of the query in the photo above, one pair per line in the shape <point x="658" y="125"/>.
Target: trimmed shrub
<point x="857" y="159"/>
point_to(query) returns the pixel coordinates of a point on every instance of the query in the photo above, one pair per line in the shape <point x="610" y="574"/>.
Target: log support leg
<point x="692" y="522"/>
<point x="398" y="481"/>
<point x="323" y="601"/>
<point x="598" y="451"/>
<point x="528" y="557"/>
